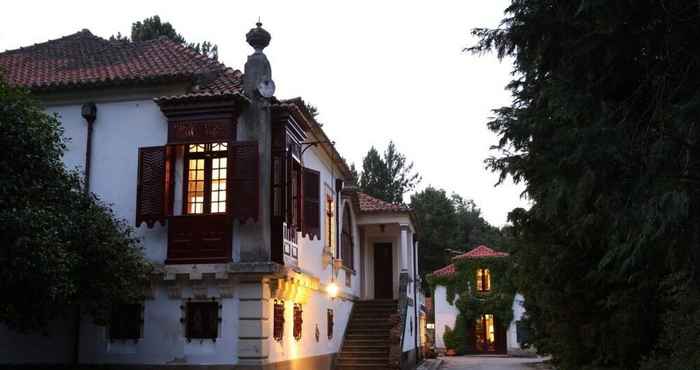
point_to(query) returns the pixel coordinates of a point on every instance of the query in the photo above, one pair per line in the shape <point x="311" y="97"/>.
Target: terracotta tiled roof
<point x="370" y="204"/>
<point x="445" y="271"/>
<point x="481" y="251"/>
<point x="85" y="60"/>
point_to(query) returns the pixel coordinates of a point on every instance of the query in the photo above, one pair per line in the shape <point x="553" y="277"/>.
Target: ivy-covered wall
<point x="462" y="293"/>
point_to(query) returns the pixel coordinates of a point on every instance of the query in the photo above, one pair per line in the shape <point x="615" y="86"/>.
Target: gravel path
<point x="490" y="363"/>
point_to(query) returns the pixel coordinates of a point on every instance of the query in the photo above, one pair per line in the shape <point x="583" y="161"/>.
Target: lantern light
<point x="332" y="289"/>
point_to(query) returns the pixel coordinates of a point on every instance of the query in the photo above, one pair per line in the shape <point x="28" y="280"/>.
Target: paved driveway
<point x="489" y="363"/>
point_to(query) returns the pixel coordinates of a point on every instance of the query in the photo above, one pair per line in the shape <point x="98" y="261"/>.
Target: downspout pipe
<point x="416" y="320"/>
<point x="89" y="113"/>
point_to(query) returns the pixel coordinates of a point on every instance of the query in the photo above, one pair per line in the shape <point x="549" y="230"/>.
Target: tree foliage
<point x="449" y="223"/>
<point x="60" y="245"/>
<point x="153" y="28"/>
<point x="603" y="130"/>
<point x="388" y="177"/>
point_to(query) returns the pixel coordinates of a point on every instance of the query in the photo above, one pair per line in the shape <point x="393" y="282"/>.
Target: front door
<point x="489" y="335"/>
<point x="383" y="271"/>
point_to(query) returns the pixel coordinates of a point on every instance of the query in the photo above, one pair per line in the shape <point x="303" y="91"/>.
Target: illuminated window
<point x="205" y="185"/>
<point x="483" y="280"/>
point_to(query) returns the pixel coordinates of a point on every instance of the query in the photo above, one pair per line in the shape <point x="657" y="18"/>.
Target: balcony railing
<point x="290" y="238"/>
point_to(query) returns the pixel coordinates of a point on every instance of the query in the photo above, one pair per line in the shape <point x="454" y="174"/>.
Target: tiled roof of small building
<point x="481" y="251"/>
<point x="369" y="204"/>
<point x="85" y="60"/>
<point x="445" y="271"/>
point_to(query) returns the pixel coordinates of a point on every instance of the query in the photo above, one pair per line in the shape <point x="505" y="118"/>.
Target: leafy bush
<point x="61" y="246"/>
<point x="449" y="338"/>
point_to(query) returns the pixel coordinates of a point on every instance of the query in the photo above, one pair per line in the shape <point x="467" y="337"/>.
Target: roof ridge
<point x="82" y="32"/>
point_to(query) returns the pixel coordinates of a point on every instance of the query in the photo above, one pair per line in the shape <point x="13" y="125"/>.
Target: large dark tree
<point x="388" y="177"/>
<point x="59" y="246"/>
<point x="604" y="132"/>
<point x="153" y="28"/>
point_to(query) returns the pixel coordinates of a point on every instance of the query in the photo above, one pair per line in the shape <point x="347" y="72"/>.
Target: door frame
<point x="500" y="343"/>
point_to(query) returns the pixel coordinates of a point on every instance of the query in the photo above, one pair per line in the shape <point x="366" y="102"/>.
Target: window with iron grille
<point x="202" y="320"/>
<point x="329" y="328"/>
<point x="278" y="321"/>
<point x="125" y="322"/>
<point x="298" y="321"/>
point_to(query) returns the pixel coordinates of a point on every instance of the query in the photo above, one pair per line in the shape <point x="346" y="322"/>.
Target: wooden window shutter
<point x="152" y="197"/>
<point x="244" y="195"/>
<point x="312" y="203"/>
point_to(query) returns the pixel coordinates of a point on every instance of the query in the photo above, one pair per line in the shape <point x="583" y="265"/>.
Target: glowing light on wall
<point x="332" y="289"/>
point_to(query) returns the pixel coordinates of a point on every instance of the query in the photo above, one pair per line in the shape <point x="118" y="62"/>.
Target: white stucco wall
<point x="518" y="312"/>
<point x="163" y="340"/>
<point x="120" y="130"/>
<point x="445" y="314"/>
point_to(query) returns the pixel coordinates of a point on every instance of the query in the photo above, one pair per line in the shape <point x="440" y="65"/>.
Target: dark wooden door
<point x="383" y="271"/>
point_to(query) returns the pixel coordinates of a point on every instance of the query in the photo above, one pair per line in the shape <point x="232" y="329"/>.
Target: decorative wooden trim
<point x="200" y="131"/>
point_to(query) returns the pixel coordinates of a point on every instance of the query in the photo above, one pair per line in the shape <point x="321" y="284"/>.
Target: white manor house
<point x="266" y="257"/>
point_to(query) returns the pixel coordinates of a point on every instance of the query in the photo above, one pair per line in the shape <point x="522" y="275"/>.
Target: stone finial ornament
<point x="258" y="37"/>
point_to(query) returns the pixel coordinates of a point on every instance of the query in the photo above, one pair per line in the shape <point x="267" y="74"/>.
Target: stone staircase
<point x="366" y="344"/>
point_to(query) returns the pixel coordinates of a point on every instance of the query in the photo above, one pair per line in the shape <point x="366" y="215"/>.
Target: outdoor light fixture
<point x="430" y="325"/>
<point x="332" y="289"/>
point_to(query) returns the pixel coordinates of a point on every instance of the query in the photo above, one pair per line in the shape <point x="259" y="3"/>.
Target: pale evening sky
<point x="376" y="70"/>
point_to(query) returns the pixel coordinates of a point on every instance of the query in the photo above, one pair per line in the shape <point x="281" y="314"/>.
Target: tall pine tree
<point x="603" y="131"/>
<point x="388" y="177"/>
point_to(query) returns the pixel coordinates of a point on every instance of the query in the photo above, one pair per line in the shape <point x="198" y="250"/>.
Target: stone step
<point x="368" y="332"/>
<point x="365" y="349"/>
<point x="373" y="355"/>
<point x="369" y="335"/>
<point x="343" y="361"/>
<point x="363" y="366"/>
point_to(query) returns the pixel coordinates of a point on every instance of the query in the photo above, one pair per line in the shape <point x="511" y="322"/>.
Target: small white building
<point x="490" y="335"/>
<point x="265" y="257"/>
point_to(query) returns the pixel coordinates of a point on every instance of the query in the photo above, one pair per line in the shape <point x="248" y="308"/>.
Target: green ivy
<point x="461" y="292"/>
